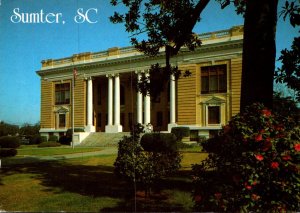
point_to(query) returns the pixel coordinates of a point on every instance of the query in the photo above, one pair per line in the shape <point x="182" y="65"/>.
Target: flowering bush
<point x="253" y="165"/>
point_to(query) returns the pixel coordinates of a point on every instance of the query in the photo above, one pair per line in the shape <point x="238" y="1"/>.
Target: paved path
<point x="32" y="159"/>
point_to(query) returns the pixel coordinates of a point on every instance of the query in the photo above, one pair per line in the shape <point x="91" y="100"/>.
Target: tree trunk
<point x="259" y="52"/>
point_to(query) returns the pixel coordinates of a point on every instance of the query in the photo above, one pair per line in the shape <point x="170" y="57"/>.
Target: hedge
<point x="8" y="152"/>
<point x="159" y="142"/>
<point x="181" y="132"/>
<point x="49" y="144"/>
<point x="9" y="142"/>
<point x="53" y="138"/>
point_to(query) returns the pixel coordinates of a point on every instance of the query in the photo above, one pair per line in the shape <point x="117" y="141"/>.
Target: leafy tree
<point x="169" y="24"/>
<point x="28" y="129"/>
<point x="8" y="129"/>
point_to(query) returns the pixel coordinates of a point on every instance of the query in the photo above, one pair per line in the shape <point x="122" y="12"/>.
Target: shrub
<point x="252" y="165"/>
<point x="53" y="138"/>
<point x="9" y="142"/>
<point x="181" y="132"/>
<point x="49" y="144"/>
<point x="69" y="131"/>
<point x="159" y="142"/>
<point x="7" y="152"/>
<point x="65" y="140"/>
<point x="44" y="139"/>
<point x="35" y="139"/>
<point x="138" y="166"/>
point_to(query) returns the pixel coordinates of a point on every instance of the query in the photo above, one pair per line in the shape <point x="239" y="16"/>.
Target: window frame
<point x="207" y="72"/>
<point x="62" y="94"/>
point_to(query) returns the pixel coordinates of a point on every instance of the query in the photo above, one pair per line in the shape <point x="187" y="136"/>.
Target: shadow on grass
<point x="100" y="181"/>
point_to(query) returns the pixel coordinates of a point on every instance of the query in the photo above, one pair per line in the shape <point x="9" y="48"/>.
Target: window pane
<point x="62" y="120"/>
<point x="213" y="79"/>
<point x="62" y="93"/>
<point x="214" y="115"/>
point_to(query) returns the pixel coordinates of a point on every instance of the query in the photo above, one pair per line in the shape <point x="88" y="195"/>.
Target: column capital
<point x="111" y="75"/>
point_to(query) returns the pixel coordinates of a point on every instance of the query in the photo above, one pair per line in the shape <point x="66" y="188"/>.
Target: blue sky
<point x="23" y="46"/>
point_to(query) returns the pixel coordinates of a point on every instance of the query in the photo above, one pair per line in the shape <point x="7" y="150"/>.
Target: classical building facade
<point x="97" y="91"/>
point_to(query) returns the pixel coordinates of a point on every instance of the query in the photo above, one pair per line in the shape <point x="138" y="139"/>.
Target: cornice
<point x="143" y="60"/>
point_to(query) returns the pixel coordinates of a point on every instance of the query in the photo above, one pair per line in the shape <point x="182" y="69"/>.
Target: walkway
<point x="33" y="159"/>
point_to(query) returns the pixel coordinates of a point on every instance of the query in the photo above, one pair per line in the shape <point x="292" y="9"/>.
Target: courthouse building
<point x="106" y="99"/>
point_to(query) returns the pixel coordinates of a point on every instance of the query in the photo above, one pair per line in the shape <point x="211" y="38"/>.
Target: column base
<point x="89" y="128"/>
<point x="171" y="125"/>
<point x="113" y="128"/>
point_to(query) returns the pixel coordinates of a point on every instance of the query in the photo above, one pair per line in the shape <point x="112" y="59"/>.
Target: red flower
<point x="297" y="147"/>
<point x="218" y="195"/>
<point x="286" y="157"/>
<point x="259" y="157"/>
<point x="255" y="197"/>
<point x="267" y="145"/>
<point x="248" y="187"/>
<point x="198" y="198"/>
<point x="258" y="138"/>
<point x="274" y="165"/>
<point x="227" y="129"/>
<point x="266" y="112"/>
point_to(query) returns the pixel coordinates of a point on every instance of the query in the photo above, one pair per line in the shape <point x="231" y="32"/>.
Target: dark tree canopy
<point x="169" y="24"/>
<point x="289" y="72"/>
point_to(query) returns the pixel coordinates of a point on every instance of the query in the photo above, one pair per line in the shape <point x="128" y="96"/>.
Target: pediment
<point x="214" y="101"/>
<point x="62" y="110"/>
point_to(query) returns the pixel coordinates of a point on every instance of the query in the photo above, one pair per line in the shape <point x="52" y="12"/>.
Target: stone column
<point x="117" y="126"/>
<point x="172" y="103"/>
<point x="90" y="127"/>
<point x="139" y="101"/>
<point x="147" y="104"/>
<point x="110" y="104"/>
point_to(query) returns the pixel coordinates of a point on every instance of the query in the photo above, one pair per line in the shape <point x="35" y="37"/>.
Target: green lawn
<point x="33" y="150"/>
<point x="89" y="185"/>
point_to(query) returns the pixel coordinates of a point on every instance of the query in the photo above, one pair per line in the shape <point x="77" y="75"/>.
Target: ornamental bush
<point x="159" y="142"/>
<point x="141" y="167"/>
<point x="53" y="138"/>
<point x="9" y="142"/>
<point x="181" y="132"/>
<point x="253" y="165"/>
<point x="10" y="152"/>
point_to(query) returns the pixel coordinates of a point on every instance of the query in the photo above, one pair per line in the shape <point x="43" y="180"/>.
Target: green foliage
<point x="65" y="140"/>
<point x="166" y="24"/>
<point x="144" y="168"/>
<point x="9" y="142"/>
<point x="159" y="142"/>
<point x="35" y="139"/>
<point x="49" y="144"/>
<point x="7" y="152"/>
<point x="252" y="165"/>
<point x="27" y="129"/>
<point x="53" y="138"/>
<point x="8" y="129"/>
<point x="181" y="132"/>
<point x="289" y="73"/>
<point x="44" y="139"/>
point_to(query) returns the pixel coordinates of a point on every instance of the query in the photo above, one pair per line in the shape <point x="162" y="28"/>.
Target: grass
<point x="32" y="150"/>
<point x="88" y="185"/>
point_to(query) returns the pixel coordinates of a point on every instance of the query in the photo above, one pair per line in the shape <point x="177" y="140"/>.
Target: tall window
<point x="213" y="79"/>
<point x="62" y="93"/>
<point x="62" y="120"/>
<point x="214" y="115"/>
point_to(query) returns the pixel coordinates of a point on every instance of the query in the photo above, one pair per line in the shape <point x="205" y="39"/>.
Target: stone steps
<point x="101" y="139"/>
